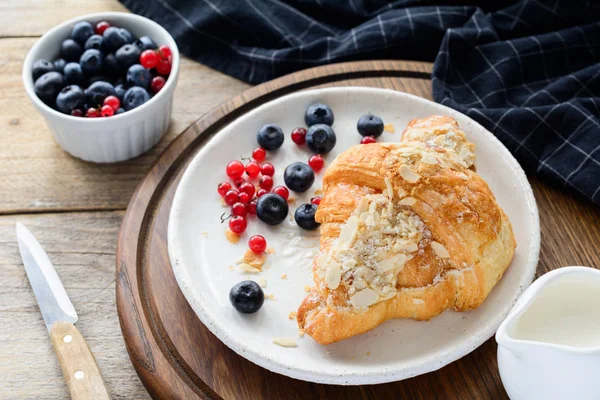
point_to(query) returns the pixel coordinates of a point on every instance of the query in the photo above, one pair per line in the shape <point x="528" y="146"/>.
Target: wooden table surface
<point x="75" y="209"/>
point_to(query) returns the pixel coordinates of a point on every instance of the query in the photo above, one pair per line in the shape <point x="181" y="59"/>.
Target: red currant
<point x="282" y="191"/>
<point x="368" y="140"/>
<point x="92" y="113"/>
<point x="77" y="112"/>
<point x="266" y="182"/>
<point x="107" y="111"/>
<point x="239" y="209"/>
<point x="261" y="192"/>
<point x="259" y="154"/>
<point x="157" y="83"/>
<point x="235" y="169"/>
<point x="252" y="207"/>
<point x="232" y="196"/>
<point x="252" y="169"/>
<point x="248" y="188"/>
<point x="258" y="244"/>
<point x="316" y="200"/>
<point x="223" y="188"/>
<point x="237" y="224"/>
<point x="267" y="169"/>
<point x="113" y="102"/>
<point x="244" y="197"/>
<point x="299" y="136"/>
<point x="239" y="182"/>
<point x="101" y="27"/>
<point x="163" y="67"/>
<point x="165" y="52"/>
<point x="316" y="162"/>
<point x="149" y="59"/>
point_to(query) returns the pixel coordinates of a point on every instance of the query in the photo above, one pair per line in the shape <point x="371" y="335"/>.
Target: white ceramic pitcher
<point x="549" y="345"/>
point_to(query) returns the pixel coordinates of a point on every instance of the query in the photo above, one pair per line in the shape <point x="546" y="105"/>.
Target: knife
<point x="78" y="364"/>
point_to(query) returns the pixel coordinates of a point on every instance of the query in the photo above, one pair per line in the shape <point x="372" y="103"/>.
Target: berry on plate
<point x="305" y="217"/>
<point x="318" y="114"/>
<point x="320" y="138"/>
<point x="244" y="198"/>
<point x="299" y="177"/>
<point x="258" y="244"/>
<point x="259" y="154"/>
<point x="265" y="182"/>
<point x="252" y="207"/>
<point x="316" y="200"/>
<point x="316" y="162"/>
<point x="370" y="125"/>
<point x="261" y="192"/>
<point x="368" y="140"/>
<point x="231" y="197"/>
<point x="272" y="209"/>
<point x="135" y="97"/>
<point x="299" y="136"/>
<point x="223" y="188"/>
<point x="239" y="182"/>
<point x="239" y="209"/>
<point x="267" y="169"/>
<point x="234" y="169"/>
<point x="247" y="187"/>
<point x="237" y="224"/>
<point x="247" y="297"/>
<point x="282" y="191"/>
<point x="70" y="98"/>
<point x="252" y="169"/>
<point x="270" y="137"/>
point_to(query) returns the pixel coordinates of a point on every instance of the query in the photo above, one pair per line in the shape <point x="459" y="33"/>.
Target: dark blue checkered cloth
<point x="527" y="70"/>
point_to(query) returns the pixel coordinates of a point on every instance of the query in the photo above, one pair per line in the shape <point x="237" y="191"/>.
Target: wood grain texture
<point x="176" y="356"/>
<point x="82" y="248"/>
<point x="77" y="362"/>
<point x="36" y="175"/>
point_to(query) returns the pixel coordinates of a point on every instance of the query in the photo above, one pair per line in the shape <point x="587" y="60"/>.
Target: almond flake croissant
<point x="408" y="230"/>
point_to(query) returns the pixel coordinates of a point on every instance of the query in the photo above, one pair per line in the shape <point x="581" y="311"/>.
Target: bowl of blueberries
<point x="104" y="84"/>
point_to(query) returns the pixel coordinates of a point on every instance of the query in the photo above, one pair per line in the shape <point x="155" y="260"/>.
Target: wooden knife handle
<point x="78" y="363"/>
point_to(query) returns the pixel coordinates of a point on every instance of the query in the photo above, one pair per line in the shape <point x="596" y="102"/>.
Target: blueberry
<point x="135" y="97"/>
<point x="270" y="137"/>
<point x="94" y="42"/>
<point x="59" y="65"/>
<point x="139" y="76"/>
<point x="82" y="31"/>
<point x="305" y="216"/>
<point x="69" y="98"/>
<point x="272" y="209"/>
<point x="40" y="67"/>
<point x="320" y="138"/>
<point x="127" y="56"/>
<point x="121" y="110"/>
<point x="114" y="39"/>
<point x="70" y="50"/>
<point x="98" y="78"/>
<point x="318" y="114"/>
<point x="111" y="66"/>
<point x="48" y="85"/>
<point x="120" y="89"/>
<point x="97" y="92"/>
<point x="299" y="177"/>
<point x="128" y="36"/>
<point x="74" y="74"/>
<point x="247" y="297"/>
<point x="145" y="43"/>
<point x="370" y="125"/>
<point x="91" y="61"/>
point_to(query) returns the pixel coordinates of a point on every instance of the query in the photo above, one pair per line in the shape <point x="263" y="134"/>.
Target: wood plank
<point x="82" y="248"/>
<point x="34" y="18"/>
<point x="37" y="175"/>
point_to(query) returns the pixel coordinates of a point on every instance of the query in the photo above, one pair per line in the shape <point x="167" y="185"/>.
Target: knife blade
<point x="77" y="362"/>
<point x="49" y="291"/>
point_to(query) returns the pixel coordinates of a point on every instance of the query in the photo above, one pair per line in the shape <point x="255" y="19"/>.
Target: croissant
<point x="408" y="230"/>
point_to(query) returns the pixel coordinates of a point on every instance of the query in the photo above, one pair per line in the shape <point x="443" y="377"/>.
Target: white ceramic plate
<point x="399" y="349"/>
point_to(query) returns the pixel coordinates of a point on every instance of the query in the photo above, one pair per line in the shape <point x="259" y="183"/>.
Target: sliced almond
<point x="389" y="128"/>
<point x="270" y="250"/>
<point x="418" y="301"/>
<point x="249" y="268"/>
<point x="364" y="298"/>
<point x="285" y="342"/>
<point x="429" y="159"/>
<point x="393" y="262"/>
<point x="440" y="250"/>
<point x="307" y="288"/>
<point x="262" y="283"/>
<point x="463" y="176"/>
<point x="292" y="315"/>
<point x="359" y="284"/>
<point x="333" y="275"/>
<point x="401" y="192"/>
<point x="408" y="174"/>
<point x="390" y="189"/>
<point x="408" y="247"/>
<point x="349" y="230"/>
<point x="407" y="201"/>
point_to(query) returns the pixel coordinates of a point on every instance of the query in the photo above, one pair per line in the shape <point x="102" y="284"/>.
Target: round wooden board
<point x="175" y="356"/>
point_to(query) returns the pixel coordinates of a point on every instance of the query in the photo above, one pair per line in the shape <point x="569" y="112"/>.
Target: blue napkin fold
<point x="528" y="70"/>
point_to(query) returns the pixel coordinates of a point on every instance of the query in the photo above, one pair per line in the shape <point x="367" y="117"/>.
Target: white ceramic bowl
<point x="200" y="254"/>
<point x="119" y="137"/>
